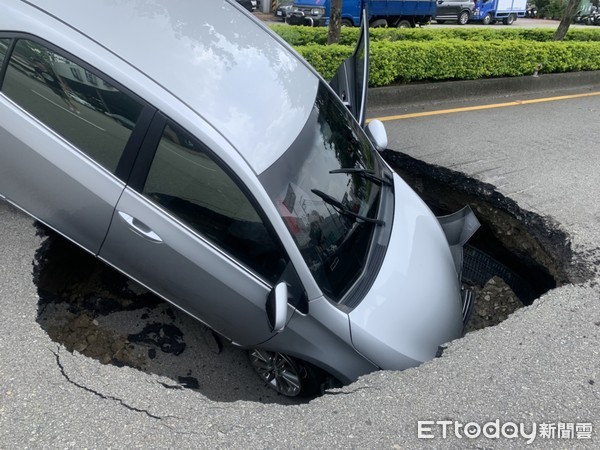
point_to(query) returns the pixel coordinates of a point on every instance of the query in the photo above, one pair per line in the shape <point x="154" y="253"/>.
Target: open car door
<point x="351" y="80"/>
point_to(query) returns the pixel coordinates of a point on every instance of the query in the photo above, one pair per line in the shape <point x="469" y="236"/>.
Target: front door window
<point x="187" y="181"/>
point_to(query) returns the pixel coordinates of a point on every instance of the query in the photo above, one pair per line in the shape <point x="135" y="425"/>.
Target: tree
<point x="335" y="22"/>
<point x="566" y="20"/>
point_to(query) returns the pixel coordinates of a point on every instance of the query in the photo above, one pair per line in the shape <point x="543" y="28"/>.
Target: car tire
<point x="287" y="375"/>
<point x="347" y="23"/>
<point x="463" y="17"/>
<point x="404" y="24"/>
<point x="378" y="23"/>
<point x="487" y="19"/>
<point x="508" y="20"/>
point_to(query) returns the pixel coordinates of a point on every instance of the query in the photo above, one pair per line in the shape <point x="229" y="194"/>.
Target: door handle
<point x="139" y="227"/>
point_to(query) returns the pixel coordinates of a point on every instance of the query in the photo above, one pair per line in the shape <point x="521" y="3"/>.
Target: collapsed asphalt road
<point x="539" y="368"/>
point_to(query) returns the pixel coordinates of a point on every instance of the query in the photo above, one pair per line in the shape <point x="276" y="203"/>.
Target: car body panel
<point x="41" y="172"/>
<point x="305" y="335"/>
<point x="405" y="328"/>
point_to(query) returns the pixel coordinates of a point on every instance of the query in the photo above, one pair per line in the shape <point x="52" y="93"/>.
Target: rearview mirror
<point x="276" y="307"/>
<point x="377" y="134"/>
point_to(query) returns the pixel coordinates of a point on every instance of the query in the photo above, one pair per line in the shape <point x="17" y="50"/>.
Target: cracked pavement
<point x="99" y="394"/>
<point x="542" y="365"/>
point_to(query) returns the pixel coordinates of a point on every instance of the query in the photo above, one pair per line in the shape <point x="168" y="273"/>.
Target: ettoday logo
<point x="429" y="429"/>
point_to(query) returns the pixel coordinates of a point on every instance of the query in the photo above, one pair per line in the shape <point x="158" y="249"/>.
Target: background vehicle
<point x="531" y="11"/>
<point x="455" y="10"/>
<point x="584" y="12"/>
<point x="250" y="5"/>
<point x="284" y="9"/>
<point x="399" y="13"/>
<point x="594" y="17"/>
<point x="491" y="11"/>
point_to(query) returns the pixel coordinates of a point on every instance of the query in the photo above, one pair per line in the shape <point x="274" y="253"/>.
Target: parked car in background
<point x="459" y="11"/>
<point x="250" y="5"/>
<point x="283" y="9"/>
<point x="267" y="214"/>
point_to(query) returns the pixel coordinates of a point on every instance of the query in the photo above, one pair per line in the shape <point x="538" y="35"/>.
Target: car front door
<point x="447" y="8"/>
<point x="186" y="229"/>
<point x="351" y="81"/>
<point x="66" y="136"/>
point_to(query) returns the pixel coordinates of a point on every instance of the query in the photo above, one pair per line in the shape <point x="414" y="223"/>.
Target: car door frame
<point x="351" y="81"/>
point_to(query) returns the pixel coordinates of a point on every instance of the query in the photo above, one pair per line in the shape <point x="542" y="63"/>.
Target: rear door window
<point x="73" y="100"/>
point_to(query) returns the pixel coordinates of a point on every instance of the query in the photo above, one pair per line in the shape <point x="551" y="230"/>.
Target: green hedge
<point x="406" y="55"/>
<point x="298" y="36"/>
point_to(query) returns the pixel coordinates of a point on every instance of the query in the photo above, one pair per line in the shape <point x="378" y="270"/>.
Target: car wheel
<point x="404" y="24"/>
<point x="347" y="23"/>
<point x="440" y="21"/>
<point x="378" y="23"/>
<point x="463" y="17"/>
<point x="509" y="20"/>
<point x="288" y="376"/>
<point x="487" y="19"/>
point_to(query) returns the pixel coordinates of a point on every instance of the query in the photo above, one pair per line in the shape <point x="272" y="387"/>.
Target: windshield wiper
<point x="342" y="209"/>
<point x="368" y="174"/>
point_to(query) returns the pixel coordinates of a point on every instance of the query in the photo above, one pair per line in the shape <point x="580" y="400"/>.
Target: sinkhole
<point x="514" y="258"/>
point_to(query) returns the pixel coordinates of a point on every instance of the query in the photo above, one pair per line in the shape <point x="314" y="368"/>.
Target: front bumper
<point x="458" y="228"/>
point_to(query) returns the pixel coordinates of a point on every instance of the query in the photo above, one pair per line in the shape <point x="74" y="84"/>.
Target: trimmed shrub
<point x="298" y="36"/>
<point x="406" y="61"/>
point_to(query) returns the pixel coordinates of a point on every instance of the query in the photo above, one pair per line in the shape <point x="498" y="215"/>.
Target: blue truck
<point x="382" y="13"/>
<point x="492" y="11"/>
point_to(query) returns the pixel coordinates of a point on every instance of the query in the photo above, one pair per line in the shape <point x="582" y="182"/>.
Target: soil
<point x="495" y="301"/>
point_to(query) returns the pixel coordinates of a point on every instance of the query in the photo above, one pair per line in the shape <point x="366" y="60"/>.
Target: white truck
<point x="491" y="11"/>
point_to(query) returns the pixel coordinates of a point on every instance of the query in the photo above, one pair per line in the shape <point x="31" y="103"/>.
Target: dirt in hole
<point x="75" y="291"/>
<point x="92" y="309"/>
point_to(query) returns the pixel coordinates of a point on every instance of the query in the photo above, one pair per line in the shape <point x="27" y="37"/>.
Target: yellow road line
<point x="480" y="107"/>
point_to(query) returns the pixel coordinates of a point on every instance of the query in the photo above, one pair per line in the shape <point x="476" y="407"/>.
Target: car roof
<point x="211" y="55"/>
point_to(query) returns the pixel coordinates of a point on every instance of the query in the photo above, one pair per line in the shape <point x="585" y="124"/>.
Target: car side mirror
<point x="276" y="307"/>
<point x="377" y="134"/>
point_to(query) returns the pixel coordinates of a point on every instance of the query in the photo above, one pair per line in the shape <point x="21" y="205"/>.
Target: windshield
<point x="326" y="188"/>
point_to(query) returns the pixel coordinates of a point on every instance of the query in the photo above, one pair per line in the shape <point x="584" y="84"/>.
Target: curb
<point x="490" y="87"/>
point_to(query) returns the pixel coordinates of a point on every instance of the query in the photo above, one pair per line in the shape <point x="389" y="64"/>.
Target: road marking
<point x="481" y="107"/>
